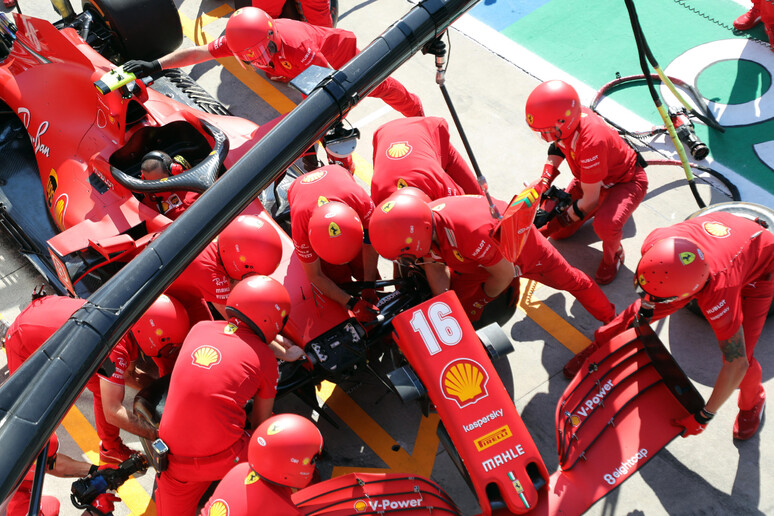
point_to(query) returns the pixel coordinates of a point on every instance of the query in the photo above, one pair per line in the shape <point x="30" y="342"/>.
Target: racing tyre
<point x="144" y="29"/>
<point x="748" y="210"/>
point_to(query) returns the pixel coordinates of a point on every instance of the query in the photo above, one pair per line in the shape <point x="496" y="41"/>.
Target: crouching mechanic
<point x="329" y="218"/>
<point x="281" y="460"/>
<point x="58" y="465"/>
<point x="417" y="152"/>
<point x="222" y="366"/>
<point x="608" y="179"/>
<point x="452" y="238"/>
<point x="158" y="165"/>
<point x="726" y="263"/>
<point x="281" y="49"/>
<point x="157" y="334"/>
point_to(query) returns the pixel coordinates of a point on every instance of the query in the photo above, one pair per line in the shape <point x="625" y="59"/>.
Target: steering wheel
<point x="196" y="179"/>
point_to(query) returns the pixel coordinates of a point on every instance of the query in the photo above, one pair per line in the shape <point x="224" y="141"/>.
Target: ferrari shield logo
<point x="286" y="65"/>
<point x="402" y="183"/>
<point x="439" y="207"/>
<point x="205" y="357"/>
<point x="218" y="508"/>
<point x="464" y="381"/>
<point x="386" y="207"/>
<point x="311" y="177"/>
<point x="717" y="229"/>
<point x="51" y="187"/>
<point x="251" y="478"/>
<point x="457" y="255"/>
<point x="333" y="230"/>
<point x="398" y="150"/>
<point x="275" y="428"/>
<point x="687" y="258"/>
<point x="230" y="329"/>
<point x="322" y="200"/>
<point x="530" y="119"/>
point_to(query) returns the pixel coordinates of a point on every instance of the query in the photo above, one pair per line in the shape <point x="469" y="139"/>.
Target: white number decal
<point x="447" y="328"/>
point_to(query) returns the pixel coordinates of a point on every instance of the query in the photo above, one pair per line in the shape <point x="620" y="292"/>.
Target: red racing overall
<point x="463" y="225"/>
<point x="304" y="45"/>
<point x="221" y="366"/>
<point x="416" y="152"/>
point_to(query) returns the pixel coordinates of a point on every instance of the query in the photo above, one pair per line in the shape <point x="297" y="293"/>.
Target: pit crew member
<point x="726" y="263"/>
<point x="416" y="151"/>
<point x="761" y="11"/>
<point x="282" y="49"/>
<point x="608" y="182"/>
<point x="281" y="460"/>
<point x="316" y="12"/>
<point x="222" y="365"/>
<point x="451" y="236"/>
<point x="329" y="217"/>
<point x="156" y="334"/>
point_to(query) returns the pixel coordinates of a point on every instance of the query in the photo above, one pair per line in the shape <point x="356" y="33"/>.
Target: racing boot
<point x="608" y="271"/>
<point x="573" y="365"/>
<point x="115" y="455"/>
<point x="748" y="421"/>
<point x="748" y="20"/>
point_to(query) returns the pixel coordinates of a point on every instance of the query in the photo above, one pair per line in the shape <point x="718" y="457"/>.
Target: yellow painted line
<point x="216" y="14"/>
<point x="549" y="320"/>
<point x="193" y="30"/>
<point x="420" y="462"/>
<point x="132" y="494"/>
<point x="363" y="169"/>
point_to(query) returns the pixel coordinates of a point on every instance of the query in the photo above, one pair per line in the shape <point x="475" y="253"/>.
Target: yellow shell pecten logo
<point x="687" y="258"/>
<point x="205" y="357"/>
<point x="464" y="381"/>
<point x="386" y="207"/>
<point x="218" y="508"/>
<point x="333" y="230"/>
<point x="360" y="506"/>
<point x="717" y="229"/>
<point x="398" y="150"/>
<point x="59" y="210"/>
<point x="313" y="176"/>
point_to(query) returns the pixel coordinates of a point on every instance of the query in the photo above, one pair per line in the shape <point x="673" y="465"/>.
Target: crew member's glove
<point x="364" y="311"/>
<point x="142" y="68"/>
<point x="694" y="424"/>
<point x="550" y="173"/>
<point x="104" y="502"/>
<point x="369" y="295"/>
<point x="542" y="217"/>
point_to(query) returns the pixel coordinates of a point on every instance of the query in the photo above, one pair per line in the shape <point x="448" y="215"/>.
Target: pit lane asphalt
<point x="708" y="474"/>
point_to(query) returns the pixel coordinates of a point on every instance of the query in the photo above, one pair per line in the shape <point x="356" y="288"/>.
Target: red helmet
<point x="166" y="322"/>
<point x="416" y="192"/>
<point x="252" y="36"/>
<point x="284" y="449"/>
<point x="671" y="269"/>
<point x="335" y="232"/>
<point x="553" y="110"/>
<point x="249" y="245"/>
<point x="261" y="302"/>
<point x="402" y="226"/>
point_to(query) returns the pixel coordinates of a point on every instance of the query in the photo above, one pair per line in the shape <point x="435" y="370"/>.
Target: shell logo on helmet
<point x="687" y="258"/>
<point x="219" y="508"/>
<point x="322" y="200"/>
<point x="334" y="230"/>
<point x="314" y="176"/>
<point x="386" y="207"/>
<point x="464" y="381"/>
<point x="205" y="357"/>
<point x="717" y="229"/>
<point x="398" y="150"/>
<point x="402" y="183"/>
<point x="251" y="478"/>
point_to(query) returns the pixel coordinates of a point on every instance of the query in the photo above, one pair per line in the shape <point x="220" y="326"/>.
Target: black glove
<point x="542" y="217"/>
<point x="142" y="68"/>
